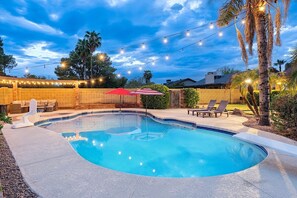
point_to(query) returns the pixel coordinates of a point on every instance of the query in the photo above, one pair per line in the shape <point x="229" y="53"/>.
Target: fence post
<point x="76" y="95"/>
<point x="15" y="91"/>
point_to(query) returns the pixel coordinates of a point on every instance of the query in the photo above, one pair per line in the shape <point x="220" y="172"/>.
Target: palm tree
<point x="246" y="81"/>
<point x="147" y="75"/>
<point x="83" y="52"/>
<point x="258" y="22"/>
<point x="279" y="63"/>
<point x="94" y="41"/>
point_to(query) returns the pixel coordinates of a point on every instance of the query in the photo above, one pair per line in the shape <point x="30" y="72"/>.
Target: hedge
<point x="156" y="102"/>
<point x="191" y="97"/>
<point x="284" y="112"/>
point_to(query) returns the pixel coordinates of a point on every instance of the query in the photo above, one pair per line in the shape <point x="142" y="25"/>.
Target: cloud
<point x="39" y="50"/>
<point x="114" y="3"/>
<point x="54" y="17"/>
<point x="24" y="23"/>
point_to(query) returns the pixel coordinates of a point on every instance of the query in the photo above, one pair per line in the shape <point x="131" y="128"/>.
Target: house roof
<point x="223" y="80"/>
<point x="181" y="82"/>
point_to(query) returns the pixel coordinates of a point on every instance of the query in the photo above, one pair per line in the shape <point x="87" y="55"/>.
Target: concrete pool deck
<point x="53" y="169"/>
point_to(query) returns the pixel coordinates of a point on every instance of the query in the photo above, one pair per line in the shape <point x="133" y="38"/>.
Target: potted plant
<point x="4" y="119"/>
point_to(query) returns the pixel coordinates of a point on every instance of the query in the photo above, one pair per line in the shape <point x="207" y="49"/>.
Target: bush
<point x="274" y="94"/>
<point x="284" y="112"/>
<point x="191" y="97"/>
<point x="257" y="98"/>
<point x="4" y="119"/>
<point x="156" y="102"/>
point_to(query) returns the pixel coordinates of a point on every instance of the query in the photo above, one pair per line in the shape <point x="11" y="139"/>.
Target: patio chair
<point x="220" y="110"/>
<point x="209" y="107"/>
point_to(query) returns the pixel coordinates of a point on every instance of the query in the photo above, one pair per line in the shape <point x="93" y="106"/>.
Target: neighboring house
<point x="212" y="80"/>
<point x="179" y="83"/>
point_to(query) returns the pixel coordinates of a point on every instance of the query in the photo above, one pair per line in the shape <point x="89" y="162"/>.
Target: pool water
<point x="139" y="144"/>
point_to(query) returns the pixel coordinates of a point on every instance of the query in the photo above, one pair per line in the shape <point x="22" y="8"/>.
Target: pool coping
<point x="46" y="181"/>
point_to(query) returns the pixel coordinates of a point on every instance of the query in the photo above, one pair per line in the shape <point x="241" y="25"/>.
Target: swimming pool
<point x="143" y="145"/>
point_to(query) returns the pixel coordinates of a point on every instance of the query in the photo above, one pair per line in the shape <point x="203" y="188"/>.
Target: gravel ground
<point x="12" y="181"/>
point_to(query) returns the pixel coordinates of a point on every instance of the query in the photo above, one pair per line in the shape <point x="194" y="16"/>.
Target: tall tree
<point x="83" y="52"/>
<point x="6" y="61"/>
<point x="228" y="70"/>
<point x="279" y="63"/>
<point x="147" y="75"/>
<point x="94" y="41"/>
<point x="258" y="22"/>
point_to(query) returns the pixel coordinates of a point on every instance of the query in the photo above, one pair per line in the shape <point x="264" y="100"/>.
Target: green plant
<point x="4" y="119"/>
<point x="191" y="97"/>
<point x="256" y="95"/>
<point x="156" y="102"/>
<point x="284" y="112"/>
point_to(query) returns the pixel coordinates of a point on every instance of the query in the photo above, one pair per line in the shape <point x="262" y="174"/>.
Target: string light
<point x="118" y="75"/>
<point x="200" y="43"/>
<point x="129" y="72"/>
<point x="211" y="26"/>
<point x="143" y="46"/>
<point x="26" y="70"/>
<point x="92" y="81"/>
<point x="100" y="80"/>
<point x="122" y="51"/>
<point x="166" y="57"/>
<point x="220" y="34"/>
<point x="262" y="8"/>
<point x="188" y="33"/>
<point x="165" y="40"/>
<point x="243" y="21"/>
<point x="153" y="63"/>
<point x="140" y="68"/>
<point x="101" y="57"/>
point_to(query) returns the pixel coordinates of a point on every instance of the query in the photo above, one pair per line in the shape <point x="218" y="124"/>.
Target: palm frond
<point x="286" y="7"/>
<point x="244" y="55"/>
<point x="229" y="11"/>
<point x="278" y="24"/>
<point x="249" y="30"/>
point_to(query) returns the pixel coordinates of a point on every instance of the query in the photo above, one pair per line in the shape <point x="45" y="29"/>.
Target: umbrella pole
<point x="146" y="105"/>
<point x="120" y="103"/>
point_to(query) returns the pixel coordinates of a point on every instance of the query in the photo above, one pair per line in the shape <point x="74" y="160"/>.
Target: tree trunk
<point x="260" y="20"/>
<point x="91" y="67"/>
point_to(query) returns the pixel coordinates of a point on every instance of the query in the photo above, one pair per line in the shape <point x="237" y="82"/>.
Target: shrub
<point x="284" y="112"/>
<point x="191" y="97"/>
<point x="4" y="119"/>
<point x="249" y="98"/>
<point x="156" y="102"/>
<point x="274" y="94"/>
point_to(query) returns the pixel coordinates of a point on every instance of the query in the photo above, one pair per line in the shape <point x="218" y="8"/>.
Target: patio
<point x="53" y="169"/>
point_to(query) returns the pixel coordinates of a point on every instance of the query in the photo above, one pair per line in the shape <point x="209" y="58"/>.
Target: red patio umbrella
<point x="146" y="92"/>
<point x="121" y="92"/>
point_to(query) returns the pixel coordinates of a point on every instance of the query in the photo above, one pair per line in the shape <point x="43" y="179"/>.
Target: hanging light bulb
<point x="118" y="75"/>
<point x="153" y="63"/>
<point x="26" y="70"/>
<point x="129" y="72"/>
<point x="101" y="56"/>
<point x="188" y="33"/>
<point x="92" y="81"/>
<point x="143" y="46"/>
<point x="220" y="34"/>
<point x="211" y="26"/>
<point x="200" y="43"/>
<point x="122" y="51"/>
<point x="166" y="57"/>
<point x="165" y="40"/>
<point x="140" y="68"/>
<point x="242" y="21"/>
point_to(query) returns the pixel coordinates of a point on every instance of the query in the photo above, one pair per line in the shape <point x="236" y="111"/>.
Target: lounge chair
<point x="220" y="110"/>
<point x="209" y="107"/>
